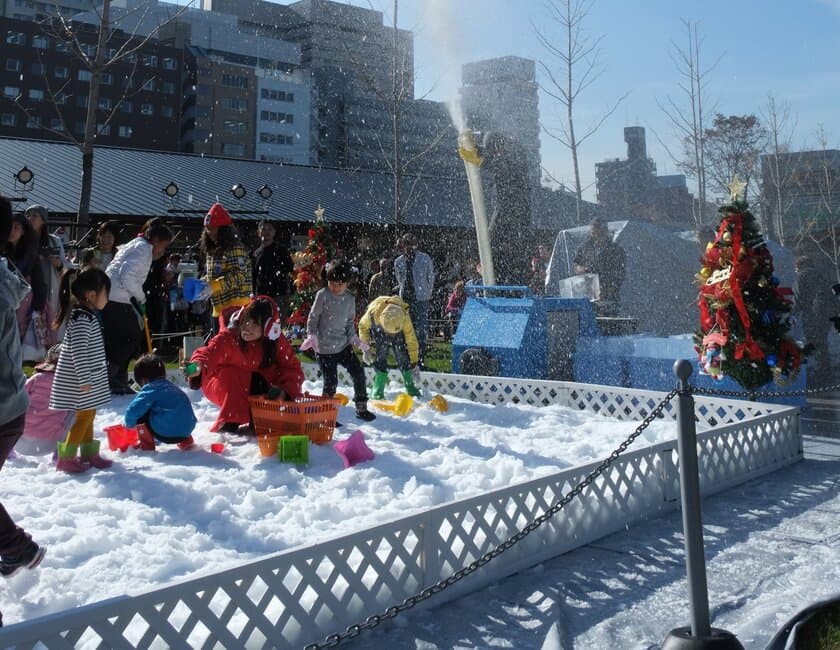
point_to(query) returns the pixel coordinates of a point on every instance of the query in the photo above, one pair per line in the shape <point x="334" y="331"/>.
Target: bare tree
<point x="733" y="145"/>
<point x="97" y="60"/>
<point x="689" y="122"/>
<point x="779" y="167"/>
<point x="395" y="98"/>
<point x="577" y="59"/>
<point x="823" y="185"/>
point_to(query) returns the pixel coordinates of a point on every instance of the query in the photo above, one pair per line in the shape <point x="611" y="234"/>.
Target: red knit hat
<point x="217" y="216"/>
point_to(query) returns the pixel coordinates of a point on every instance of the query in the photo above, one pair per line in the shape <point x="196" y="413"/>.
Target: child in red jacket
<point x="248" y="357"/>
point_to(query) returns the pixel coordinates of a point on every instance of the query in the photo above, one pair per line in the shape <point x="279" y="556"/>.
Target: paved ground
<point x="822" y="415"/>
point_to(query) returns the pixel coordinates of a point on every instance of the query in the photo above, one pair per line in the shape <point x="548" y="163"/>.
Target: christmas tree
<point x="744" y="313"/>
<point x="309" y="263"/>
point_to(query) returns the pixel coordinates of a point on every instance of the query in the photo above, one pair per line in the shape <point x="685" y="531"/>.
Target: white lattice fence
<point x="300" y="595"/>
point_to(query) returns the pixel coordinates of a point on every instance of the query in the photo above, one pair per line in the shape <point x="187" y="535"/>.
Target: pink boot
<point x="90" y="453"/>
<point x="67" y="461"/>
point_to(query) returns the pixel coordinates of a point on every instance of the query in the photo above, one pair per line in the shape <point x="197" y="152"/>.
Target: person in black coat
<point x="272" y="267"/>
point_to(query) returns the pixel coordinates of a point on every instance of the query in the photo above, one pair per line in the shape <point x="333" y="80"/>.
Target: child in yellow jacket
<point x="386" y="324"/>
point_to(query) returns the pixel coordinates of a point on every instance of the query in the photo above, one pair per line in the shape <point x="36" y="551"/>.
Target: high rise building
<point x="501" y="95"/>
<point x="39" y="10"/>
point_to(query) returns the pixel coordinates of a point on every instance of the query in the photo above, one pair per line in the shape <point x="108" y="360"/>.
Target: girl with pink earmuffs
<point x="249" y="356"/>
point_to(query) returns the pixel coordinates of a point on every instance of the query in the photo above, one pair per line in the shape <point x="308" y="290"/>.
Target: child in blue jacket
<point x="160" y="411"/>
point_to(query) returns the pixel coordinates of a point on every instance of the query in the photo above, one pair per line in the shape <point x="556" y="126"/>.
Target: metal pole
<point x="695" y="560"/>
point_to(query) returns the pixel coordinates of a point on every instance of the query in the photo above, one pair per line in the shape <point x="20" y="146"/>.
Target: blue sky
<point x="788" y="47"/>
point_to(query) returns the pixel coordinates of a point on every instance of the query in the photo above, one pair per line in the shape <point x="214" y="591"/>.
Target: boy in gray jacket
<point x="17" y="550"/>
<point x="332" y="335"/>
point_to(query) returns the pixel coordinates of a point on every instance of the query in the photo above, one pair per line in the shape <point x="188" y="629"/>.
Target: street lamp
<point x="265" y="192"/>
<point x="171" y="190"/>
<point x="238" y="191"/>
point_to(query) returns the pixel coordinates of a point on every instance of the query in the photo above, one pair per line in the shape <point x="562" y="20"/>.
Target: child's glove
<point x="310" y="343"/>
<point x="367" y="356"/>
<point x="356" y="342"/>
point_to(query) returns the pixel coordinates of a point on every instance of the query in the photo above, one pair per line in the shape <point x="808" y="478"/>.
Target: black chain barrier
<point x="752" y="395"/>
<point x="334" y="640"/>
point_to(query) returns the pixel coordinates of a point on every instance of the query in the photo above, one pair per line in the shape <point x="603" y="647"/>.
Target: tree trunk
<point x="569" y="112"/>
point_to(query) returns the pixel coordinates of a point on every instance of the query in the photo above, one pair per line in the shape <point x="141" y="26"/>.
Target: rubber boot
<point x="362" y="412"/>
<point x="89" y="452"/>
<point x="145" y="439"/>
<point x="410" y="388"/>
<point x="379" y="381"/>
<point x="68" y="461"/>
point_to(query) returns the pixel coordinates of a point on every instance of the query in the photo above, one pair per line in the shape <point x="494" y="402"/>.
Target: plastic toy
<point x="341" y="397"/>
<point x="354" y="449"/>
<point x="193" y="288"/>
<point x="217" y="447"/>
<point x="293" y="449"/>
<point x="400" y="406"/>
<point x="120" y="437"/>
<point x="439" y="403"/>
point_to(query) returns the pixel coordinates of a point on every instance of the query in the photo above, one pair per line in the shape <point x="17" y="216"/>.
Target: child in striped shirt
<point x="81" y="376"/>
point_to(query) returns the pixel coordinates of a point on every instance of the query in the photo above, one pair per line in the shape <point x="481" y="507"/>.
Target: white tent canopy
<point x="659" y="287"/>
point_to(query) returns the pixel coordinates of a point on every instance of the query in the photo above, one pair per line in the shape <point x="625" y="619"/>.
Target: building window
<point x="33" y="122"/>
<point x="41" y="42"/>
<point x="169" y="63"/>
<point x="232" y="126"/>
<point x="15" y="38"/>
<point x="36" y="94"/>
<point x="105" y="103"/>
<point x="147" y="109"/>
<point x="84" y="75"/>
<point x="274" y="116"/>
<point x="167" y="111"/>
<point x="82" y="101"/>
<point x="103" y="129"/>
<point x="56" y="124"/>
<point x="79" y="128"/>
<point x="233" y="149"/>
<point x="39" y="69"/>
<point x="150" y="61"/>
<point x="62" y="47"/>
<point x="61" y="72"/>
<point x="277" y="95"/>
<point x="238" y="104"/>
<point x="11" y="92"/>
<point x="126" y="131"/>
<point x="149" y="85"/>
<point x="12" y="65"/>
<point x="8" y="119"/>
<point x="167" y="87"/>
<point x="106" y="79"/>
<point x="234" y="81"/>
<point x="127" y="107"/>
<point x="60" y="98"/>
<point x="277" y="138"/>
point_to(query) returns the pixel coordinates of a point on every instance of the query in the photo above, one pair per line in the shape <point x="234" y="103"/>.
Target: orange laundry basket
<point x="312" y="416"/>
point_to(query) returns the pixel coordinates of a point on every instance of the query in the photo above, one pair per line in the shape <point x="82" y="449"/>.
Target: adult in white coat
<point x="122" y="315"/>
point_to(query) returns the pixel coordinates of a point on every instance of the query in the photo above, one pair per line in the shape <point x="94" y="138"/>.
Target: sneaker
<point x="364" y="414"/>
<point x="28" y="559"/>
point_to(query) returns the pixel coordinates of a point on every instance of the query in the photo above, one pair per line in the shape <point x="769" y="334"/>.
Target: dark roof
<point x="129" y="183"/>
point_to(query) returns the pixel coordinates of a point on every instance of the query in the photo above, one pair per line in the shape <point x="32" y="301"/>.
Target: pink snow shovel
<point x="354" y="450"/>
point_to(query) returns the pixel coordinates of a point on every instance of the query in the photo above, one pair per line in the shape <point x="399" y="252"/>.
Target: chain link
<point x="767" y="393"/>
<point x="333" y="640"/>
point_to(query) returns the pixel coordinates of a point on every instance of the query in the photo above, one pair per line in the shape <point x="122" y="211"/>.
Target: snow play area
<point x="155" y="517"/>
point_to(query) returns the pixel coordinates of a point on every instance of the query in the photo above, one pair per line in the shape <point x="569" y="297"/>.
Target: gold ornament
<point x="762" y="282"/>
<point x="736" y="188"/>
<point x="727" y="237"/>
<point x="705" y="272"/>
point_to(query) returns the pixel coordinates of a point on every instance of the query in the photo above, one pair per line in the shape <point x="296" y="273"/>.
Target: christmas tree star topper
<point x="736" y="188"/>
<point x="319" y="214"/>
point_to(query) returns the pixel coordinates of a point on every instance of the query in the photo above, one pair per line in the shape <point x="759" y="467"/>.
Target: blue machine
<point x="544" y="337"/>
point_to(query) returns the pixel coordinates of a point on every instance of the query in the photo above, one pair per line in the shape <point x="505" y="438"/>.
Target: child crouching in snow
<point x="160" y="411"/>
<point x="249" y="356"/>
<point x="81" y="376"/>
<point x="44" y="426"/>
<point x="331" y="335"/>
<point x="385" y="324"/>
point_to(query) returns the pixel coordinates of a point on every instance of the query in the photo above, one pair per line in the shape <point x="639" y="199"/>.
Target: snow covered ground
<point x="157" y="517"/>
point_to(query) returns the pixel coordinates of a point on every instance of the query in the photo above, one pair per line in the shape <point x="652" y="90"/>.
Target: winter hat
<point x="272" y="328"/>
<point x="51" y="360"/>
<point x="391" y="319"/>
<point x="40" y="210"/>
<point x="217" y="216"/>
<point x="338" y="272"/>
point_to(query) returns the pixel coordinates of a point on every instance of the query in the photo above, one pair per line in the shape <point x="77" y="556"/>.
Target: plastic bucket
<point x="120" y="437"/>
<point x="192" y="289"/>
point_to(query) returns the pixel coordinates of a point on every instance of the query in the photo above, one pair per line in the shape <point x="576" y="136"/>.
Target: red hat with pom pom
<point x="217" y="216"/>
